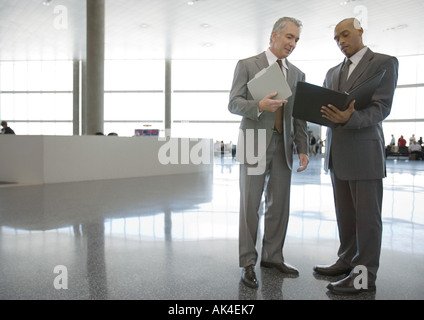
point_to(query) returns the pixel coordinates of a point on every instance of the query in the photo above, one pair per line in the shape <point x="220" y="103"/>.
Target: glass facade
<point x="407" y="116"/>
<point x="134" y="95"/>
<point x="36" y="97"/>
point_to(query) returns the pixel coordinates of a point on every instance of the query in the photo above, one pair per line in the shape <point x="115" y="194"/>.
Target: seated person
<point x="6" y="129"/>
<point x="415" y="148"/>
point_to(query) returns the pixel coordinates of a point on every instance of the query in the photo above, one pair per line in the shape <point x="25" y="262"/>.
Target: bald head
<point x="348" y="35"/>
<point x="352" y="22"/>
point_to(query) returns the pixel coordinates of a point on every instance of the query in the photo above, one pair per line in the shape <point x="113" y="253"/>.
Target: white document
<point x="267" y="81"/>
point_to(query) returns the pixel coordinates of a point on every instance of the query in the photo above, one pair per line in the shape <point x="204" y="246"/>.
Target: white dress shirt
<point x="271" y="59"/>
<point x="355" y="59"/>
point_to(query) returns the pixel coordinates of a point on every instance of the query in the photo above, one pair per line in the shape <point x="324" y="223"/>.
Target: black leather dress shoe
<point x="335" y="269"/>
<point x="248" y="277"/>
<point x="282" y="267"/>
<point x="346" y="286"/>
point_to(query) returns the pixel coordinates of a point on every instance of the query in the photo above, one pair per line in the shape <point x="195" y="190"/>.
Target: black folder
<point x="310" y="98"/>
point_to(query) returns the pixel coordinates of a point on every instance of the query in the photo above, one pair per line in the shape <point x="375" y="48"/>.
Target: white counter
<point x="55" y="159"/>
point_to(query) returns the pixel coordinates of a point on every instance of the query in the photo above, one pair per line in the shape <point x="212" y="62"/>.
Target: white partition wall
<point x="54" y="159"/>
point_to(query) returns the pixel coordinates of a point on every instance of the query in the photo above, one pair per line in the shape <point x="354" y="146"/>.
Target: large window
<point x="407" y="116"/>
<point x="200" y="99"/>
<point x="36" y="96"/>
<point x="134" y="96"/>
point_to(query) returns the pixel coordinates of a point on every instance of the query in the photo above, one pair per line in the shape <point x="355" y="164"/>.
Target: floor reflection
<point x="175" y="237"/>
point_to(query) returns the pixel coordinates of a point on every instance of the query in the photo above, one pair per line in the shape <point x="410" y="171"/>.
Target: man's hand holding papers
<point x="270" y="79"/>
<point x="269" y="104"/>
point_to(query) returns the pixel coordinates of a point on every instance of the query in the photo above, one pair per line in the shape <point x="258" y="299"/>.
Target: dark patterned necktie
<point x="344" y="74"/>
<point x="279" y="113"/>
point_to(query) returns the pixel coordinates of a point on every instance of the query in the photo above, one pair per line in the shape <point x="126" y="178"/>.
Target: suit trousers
<point x="358" y="210"/>
<point x="274" y="184"/>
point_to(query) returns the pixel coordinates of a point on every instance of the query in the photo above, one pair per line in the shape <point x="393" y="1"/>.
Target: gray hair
<point x="281" y="24"/>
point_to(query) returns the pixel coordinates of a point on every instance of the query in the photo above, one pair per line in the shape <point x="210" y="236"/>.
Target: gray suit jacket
<point x="242" y="103"/>
<point x="356" y="150"/>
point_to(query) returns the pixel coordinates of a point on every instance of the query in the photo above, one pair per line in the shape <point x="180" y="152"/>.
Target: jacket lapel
<point x="334" y="84"/>
<point x="261" y="61"/>
<point x="291" y="75"/>
<point x="359" y="70"/>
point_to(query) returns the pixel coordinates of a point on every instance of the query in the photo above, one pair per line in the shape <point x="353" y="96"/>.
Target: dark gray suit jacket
<point x="242" y="103"/>
<point x="356" y="150"/>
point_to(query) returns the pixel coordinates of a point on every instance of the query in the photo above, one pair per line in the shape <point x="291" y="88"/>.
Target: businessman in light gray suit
<point x="274" y="134"/>
<point x="355" y="156"/>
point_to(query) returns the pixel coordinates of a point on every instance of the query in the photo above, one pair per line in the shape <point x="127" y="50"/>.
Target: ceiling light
<point x="346" y="2"/>
<point x="205" y="25"/>
<point x="47" y="2"/>
<point x="192" y="2"/>
<point x="398" y="27"/>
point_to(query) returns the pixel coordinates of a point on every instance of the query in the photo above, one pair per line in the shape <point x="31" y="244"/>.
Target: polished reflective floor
<point x="175" y="237"/>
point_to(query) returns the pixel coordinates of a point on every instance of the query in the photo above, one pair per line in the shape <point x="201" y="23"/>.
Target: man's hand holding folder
<point x="336" y="115"/>
<point x="329" y="107"/>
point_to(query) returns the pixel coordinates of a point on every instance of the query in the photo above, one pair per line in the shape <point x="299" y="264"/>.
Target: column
<point x="76" y="98"/>
<point x="84" y="97"/>
<point x="95" y="66"/>
<point x="168" y="97"/>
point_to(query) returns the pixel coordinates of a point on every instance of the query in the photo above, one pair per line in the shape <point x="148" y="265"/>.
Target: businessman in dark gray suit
<point x="268" y="131"/>
<point x="355" y="157"/>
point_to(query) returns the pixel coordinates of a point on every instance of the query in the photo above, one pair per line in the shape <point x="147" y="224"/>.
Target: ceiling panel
<point x="209" y="29"/>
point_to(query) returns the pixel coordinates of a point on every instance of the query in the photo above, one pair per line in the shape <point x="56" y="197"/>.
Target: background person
<point x="5" y="129"/>
<point x="401" y="142"/>
<point x="415" y="149"/>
